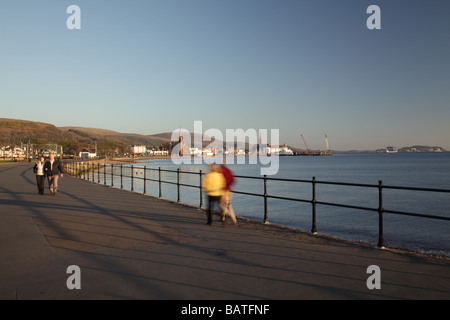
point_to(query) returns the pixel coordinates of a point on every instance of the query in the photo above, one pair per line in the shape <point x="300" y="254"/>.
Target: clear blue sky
<point x="304" y="67"/>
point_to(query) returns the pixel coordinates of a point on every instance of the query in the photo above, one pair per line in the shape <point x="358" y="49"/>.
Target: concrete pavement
<point x="132" y="246"/>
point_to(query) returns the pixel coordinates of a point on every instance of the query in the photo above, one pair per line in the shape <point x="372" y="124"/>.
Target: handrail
<point x="82" y="170"/>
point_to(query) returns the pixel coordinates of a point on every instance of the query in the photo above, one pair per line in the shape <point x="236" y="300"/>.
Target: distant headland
<point x="16" y="133"/>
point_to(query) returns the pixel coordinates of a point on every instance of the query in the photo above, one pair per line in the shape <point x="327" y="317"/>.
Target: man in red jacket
<point x="226" y="197"/>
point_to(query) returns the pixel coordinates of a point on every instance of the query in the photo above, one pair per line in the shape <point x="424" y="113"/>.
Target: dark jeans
<point x="211" y="201"/>
<point x="40" y="180"/>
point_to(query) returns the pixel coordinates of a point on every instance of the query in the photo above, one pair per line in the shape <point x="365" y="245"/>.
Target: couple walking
<point x="217" y="185"/>
<point x="51" y="168"/>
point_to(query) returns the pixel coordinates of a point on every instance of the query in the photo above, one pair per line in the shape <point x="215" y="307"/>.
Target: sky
<point x="304" y="67"/>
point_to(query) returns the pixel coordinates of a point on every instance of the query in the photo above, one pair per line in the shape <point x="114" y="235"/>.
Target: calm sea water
<point x="430" y="170"/>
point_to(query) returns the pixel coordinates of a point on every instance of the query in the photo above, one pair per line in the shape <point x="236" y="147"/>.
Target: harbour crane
<point x="328" y="147"/>
<point x="307" y="148"/>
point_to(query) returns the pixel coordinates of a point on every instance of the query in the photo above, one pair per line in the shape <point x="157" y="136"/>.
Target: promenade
<point x="132" y="246"/>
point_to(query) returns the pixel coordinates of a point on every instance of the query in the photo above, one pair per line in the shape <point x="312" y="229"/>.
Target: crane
<point x="309" y="151"/>
<point x="328" y="147"/>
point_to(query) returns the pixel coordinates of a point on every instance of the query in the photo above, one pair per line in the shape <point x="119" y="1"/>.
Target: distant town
<point x="29" y="151"/>
<point x="25" y="140"/>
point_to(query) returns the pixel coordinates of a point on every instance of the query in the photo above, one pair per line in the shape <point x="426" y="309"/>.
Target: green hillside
<point x="13" y="132"/>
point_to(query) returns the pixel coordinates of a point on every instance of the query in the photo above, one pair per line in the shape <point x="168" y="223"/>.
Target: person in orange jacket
<point x="214" y="186"/>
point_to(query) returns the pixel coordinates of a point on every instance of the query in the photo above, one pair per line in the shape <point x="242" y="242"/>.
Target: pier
<point x="129" y="245"/>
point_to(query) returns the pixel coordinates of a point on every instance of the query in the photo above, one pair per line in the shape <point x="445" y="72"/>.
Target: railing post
<point x="98" y="172"/>
<point x="380" y="215"/>
<point x="145" y="178"/>
<point x="265" y="200"/>
<point x="104" y="173"/>
<point x="159" y="173"/>
<point x="313" y="202"/>
<point x="112" y="175"/>
<point x="121" y="177"/>
<point x="178" y="185"/>
<point x="201" y="190"/>
<point x="132" y="185"/>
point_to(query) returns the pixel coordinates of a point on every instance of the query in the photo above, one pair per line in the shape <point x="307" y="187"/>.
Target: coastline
<point x="298" y="234"/>
<point x="139" y="160"/>
<point x="109" y="161"/>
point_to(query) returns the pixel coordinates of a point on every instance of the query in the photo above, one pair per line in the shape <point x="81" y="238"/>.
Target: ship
<point x="285" y="151"/>
<point x="391" y="149"/>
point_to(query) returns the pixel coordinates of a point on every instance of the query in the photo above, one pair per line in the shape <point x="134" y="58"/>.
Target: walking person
<point x="40" y="175"/>
<point x="227" y="209"/>
<point x="54" y="170"/>
<point x="214" y="185"/>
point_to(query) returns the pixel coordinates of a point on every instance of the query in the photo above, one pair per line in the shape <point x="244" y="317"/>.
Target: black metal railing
<point x="90" y="171"/>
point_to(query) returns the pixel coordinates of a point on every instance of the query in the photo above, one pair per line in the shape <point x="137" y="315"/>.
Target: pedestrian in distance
<point x="225" y="202"/>
<point x="54" y="170"/>
<point x="213" y="185"/>
<point x="38" y="169"/>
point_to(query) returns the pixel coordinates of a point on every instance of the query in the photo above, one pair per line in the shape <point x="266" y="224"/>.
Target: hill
<point x="13" y="132"/>
<point x="73" y="139"/>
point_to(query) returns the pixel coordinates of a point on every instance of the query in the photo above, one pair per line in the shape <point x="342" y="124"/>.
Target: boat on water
<point x="285" y="151"/>
<point x="391" y="149"/>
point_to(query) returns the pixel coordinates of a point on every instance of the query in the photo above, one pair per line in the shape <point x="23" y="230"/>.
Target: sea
<point x="416" y="170"/>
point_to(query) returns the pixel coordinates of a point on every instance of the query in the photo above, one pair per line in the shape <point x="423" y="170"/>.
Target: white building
<point x="207" y="152"/>
<point x="88" y="153"/>
<point x="196" y="152"/>
<point x="160" y="152"/>
<point x="6" y="152"/>
<point x="137" y="150"/>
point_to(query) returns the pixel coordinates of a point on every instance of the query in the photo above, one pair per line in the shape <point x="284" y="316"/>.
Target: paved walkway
<point x="132" y="246"/>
